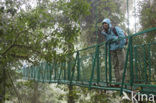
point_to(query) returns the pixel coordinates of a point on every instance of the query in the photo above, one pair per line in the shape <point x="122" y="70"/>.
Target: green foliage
<point x="147" y="14"/>
<point x="36" y="34"/>
<point x="99" y="10"/>
<point x="79" y="7"/>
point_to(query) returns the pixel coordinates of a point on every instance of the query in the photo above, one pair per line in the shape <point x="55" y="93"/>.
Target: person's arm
<point x="120" y="32"/>
<point x="103" y="33"/>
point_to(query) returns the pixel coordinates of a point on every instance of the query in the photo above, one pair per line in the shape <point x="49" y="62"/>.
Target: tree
<point x="99" y="10"/>
<point x="35" y="34"/>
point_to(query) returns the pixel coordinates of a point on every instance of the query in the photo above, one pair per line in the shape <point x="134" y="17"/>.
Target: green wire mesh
<point x="92" y="67"/>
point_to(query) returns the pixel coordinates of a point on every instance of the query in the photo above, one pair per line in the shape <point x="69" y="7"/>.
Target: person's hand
<point x="109" y="41"/>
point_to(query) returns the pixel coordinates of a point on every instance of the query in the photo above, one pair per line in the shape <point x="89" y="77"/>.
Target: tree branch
<point x="13" y="44"/>
<point x="27" y="47"/>
<point x="19" y="56"/>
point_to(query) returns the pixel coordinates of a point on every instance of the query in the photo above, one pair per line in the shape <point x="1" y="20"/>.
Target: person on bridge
<point x="117" y="51"/>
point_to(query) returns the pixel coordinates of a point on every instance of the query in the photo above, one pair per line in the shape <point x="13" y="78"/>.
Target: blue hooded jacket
<point x="110" y="36"/>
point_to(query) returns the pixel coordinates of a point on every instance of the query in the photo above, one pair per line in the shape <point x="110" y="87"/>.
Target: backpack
<point x="115" y="32"/>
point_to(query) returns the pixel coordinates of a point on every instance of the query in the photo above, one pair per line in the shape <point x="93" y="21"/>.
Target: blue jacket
<point x="110" y="36"/>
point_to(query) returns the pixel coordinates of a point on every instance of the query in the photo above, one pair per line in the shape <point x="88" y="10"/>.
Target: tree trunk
<point x="35" y="94"/>
<point x="70" y="94"/>
<point x="3" y="86"/>
<point x="70" y="87"/>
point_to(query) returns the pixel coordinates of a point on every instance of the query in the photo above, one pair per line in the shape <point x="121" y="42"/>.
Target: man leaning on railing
<point x="116" y="47"/>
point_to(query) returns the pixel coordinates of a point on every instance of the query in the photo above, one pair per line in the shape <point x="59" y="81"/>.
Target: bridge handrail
<point x="136" y="34"/>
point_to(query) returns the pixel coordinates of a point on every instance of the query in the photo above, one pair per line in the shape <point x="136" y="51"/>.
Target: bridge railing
<point x="92" y="66"/>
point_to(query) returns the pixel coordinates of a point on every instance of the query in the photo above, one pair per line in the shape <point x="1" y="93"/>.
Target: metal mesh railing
<point x="91" y="67"/>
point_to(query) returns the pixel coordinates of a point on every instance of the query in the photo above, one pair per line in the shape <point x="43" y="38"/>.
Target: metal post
<point x="78" y="66"/>
<point x="69" y="70"/>
<point x="106" y="62"/>
<point x="110" y="66"/>
<point x="60" y="72"/>
<point x="131" y="62"/>
<point x="149" y="54"/>
<point x="65" y="71"/>
<point x="145" y="65"/>
<point x="136" y="65"/>
<point x="93" y="67"/>
<point x="125" y="66"/>
<point x="98" y="65"/>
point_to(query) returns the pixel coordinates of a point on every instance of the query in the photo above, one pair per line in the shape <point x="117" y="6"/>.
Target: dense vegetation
<point x="45" y="30"/>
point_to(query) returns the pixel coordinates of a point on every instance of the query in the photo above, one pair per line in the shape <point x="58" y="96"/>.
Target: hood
<point x="108" y="22"/>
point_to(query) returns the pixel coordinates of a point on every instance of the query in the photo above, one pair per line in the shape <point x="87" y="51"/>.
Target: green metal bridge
<point x="91" y="67"/>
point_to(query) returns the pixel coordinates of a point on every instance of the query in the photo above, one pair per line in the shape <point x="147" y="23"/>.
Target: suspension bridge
<point x="92" y="68"/>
